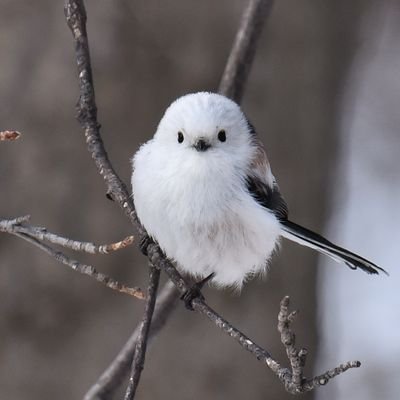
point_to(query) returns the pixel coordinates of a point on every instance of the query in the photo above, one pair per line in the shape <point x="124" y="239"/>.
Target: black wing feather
<point x="268" y="197"/>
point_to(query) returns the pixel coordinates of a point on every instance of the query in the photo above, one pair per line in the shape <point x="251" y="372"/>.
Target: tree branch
<point x="241" y="57"/>
<point x="33" y="235"/>
<point x="14" y="226"/>
<point x="6" y="224"/>
<point x="115" y="373"/>
<point x="292" y="379"/>
<point x="75" y="14"/>
<point x="141" y="342"/>
<point x="87" y="115"/>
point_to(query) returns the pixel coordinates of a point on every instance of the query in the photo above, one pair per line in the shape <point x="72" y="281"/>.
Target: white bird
<point x="204" y="190"/>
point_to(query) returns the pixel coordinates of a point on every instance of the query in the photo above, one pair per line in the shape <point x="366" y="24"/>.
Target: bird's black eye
<point x="221" y="135"/>
<point x="180" y="137"/>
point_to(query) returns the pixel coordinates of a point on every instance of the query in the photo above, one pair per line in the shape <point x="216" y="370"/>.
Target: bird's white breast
<point x="199" y="211"/>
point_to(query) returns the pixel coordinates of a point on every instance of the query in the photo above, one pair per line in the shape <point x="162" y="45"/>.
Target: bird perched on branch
<point x="204" y="190"/>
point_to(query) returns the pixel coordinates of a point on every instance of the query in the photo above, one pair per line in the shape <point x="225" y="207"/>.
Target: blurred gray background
<point x="59" y="330"/>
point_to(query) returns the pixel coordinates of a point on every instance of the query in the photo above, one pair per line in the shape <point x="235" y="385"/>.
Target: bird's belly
<point x="206" y="225"/>
<point x="234" y="246"/>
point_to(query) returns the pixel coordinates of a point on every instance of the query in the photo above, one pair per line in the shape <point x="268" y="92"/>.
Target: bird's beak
<point x="201" y="145"/>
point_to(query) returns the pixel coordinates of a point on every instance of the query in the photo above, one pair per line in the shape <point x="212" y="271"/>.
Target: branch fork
<point x="36" y="235"/>
<point x="294" y="379"/>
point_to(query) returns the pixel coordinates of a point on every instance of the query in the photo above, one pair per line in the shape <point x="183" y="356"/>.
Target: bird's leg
<point x="144" y="242"/>
<point x="195" y="292"/>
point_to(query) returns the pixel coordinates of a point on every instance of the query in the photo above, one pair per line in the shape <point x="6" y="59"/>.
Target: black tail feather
<point x="311" y="239"/>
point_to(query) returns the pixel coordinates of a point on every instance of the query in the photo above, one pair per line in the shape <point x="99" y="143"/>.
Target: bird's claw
<point x="195" y="292"/>
<point x="144" y="242"/>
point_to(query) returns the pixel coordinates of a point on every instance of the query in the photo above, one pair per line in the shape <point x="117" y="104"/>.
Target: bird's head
<point x="206" y="125"/>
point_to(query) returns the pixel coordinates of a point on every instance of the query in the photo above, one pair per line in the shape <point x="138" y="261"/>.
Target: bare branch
<point x="6" y="224"/>
<point x="34" y="234"/>
<point x="9" y="135"/>
<point x="75" y="14"/>
<point x="244" y="47"/>
<point x="297" y="383"/>
<point x="141" y="342"/>
<point x="113" y="376"/>
<point x="83" y="268"/>
<point x="41" y="233"/>
<point x="293" y="380"/>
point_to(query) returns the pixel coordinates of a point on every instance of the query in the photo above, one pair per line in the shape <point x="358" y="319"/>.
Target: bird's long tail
<point x="308" y="238"/>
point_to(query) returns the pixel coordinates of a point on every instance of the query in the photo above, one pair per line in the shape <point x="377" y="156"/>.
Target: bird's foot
<point x="195" y="292"/>
<point x="144" y="242"/>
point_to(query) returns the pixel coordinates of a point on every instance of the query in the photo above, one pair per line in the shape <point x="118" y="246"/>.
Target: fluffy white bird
<point x="204" y="190"/>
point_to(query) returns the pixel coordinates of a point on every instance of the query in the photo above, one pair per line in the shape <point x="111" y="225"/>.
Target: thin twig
<point x="288" y="339"/>
<point x="241" y="57"/>
<point x="87" y="114"/>
<point x="6" y="224"/>
<point x="9" y="135"/>
<point x="115" y="373"/>
<point x="83" y="268"/>
<point x="296" y="382"/>
<point x="40" y="233"/>
<point x="34" y="235"/>
<point x="141" y="342"/>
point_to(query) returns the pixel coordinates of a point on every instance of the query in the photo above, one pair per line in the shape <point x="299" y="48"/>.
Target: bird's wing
<point x="267" y="196"/>
<point x="261" y="183"/>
